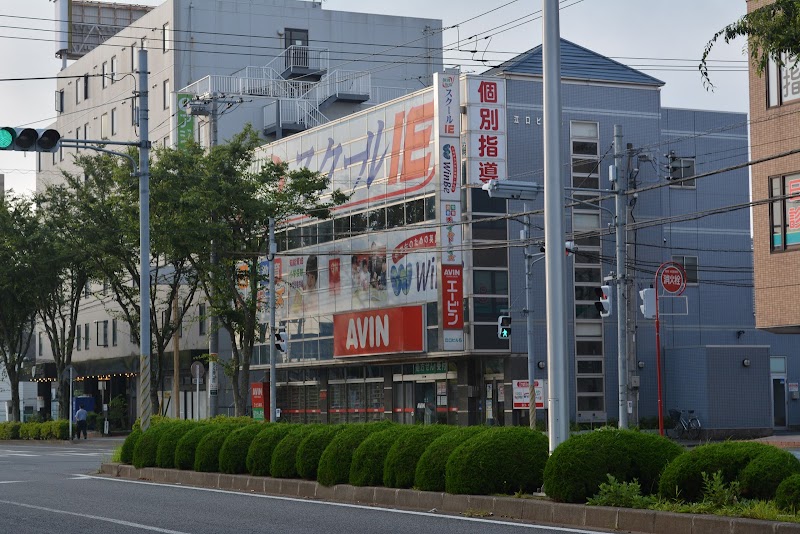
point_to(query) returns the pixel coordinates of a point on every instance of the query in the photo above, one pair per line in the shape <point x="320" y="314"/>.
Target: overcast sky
<point x="663" y="39"/>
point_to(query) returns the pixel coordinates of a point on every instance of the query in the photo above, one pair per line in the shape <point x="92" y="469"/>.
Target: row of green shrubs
<point x="466" y="460"/>
<point x="473" y="460"/>
<point x="58" y="429"/>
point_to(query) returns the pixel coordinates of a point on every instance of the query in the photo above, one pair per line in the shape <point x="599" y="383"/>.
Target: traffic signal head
<point x="29" y="139"/>
<point x="281" y="338"/>
<point x="603" y="303"/>
<point x="504" y="327"/>
<point x="648" y="305"/>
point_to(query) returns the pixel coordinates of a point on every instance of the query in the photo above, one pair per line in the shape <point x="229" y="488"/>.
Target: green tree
<point x="108" y="205"/>
<point x="21" y="282"/>
<point x="773" y="32"/>
<point x="68" y="266"/>
<point x="233" y="198"/>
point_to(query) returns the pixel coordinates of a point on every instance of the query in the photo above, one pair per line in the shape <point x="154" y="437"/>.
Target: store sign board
<point x="485" y="140"/>
<point x="381" y="331"/>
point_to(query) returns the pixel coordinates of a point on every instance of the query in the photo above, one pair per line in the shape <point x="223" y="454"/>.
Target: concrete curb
<point x="529" y="510"/>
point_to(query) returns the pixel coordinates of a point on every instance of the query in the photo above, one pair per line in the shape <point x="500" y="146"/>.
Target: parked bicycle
<point x="686" y="424"/>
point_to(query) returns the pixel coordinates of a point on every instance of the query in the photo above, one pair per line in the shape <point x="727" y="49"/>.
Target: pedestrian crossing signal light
<point x="504" y="327"/>
<point x="648" y="305"/>
<point x="603" y="303"/>
<point x="29" y="139"/>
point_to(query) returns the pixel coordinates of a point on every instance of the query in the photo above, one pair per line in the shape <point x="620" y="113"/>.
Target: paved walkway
<point x="784" y="440"/>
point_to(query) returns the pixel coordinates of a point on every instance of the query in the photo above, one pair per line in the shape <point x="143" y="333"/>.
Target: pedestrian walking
<point x="80" y="421"/>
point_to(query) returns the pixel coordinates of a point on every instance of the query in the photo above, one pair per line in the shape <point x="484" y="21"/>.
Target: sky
<point x="662" y="39"/>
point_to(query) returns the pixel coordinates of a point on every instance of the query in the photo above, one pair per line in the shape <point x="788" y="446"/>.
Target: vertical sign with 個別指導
<point x="184" y="123"/>
<point x="447" y="126"/>
<point x="485" y="129"/>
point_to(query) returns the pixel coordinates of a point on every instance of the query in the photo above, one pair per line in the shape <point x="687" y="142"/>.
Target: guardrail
<point x="341" y="81"/>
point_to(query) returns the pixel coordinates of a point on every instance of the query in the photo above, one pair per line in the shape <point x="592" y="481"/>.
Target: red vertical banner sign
<point x="259" y="397"/>
<point x="447" y="117"/>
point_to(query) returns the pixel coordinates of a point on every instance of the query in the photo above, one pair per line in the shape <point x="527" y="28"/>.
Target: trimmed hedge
<point x="187" y="445"/>
<point x="59" y="429"/>
<point x="311" y="448"/>
<point x="165" y="454"/>
<point x="578" y="466"/>
<point x="30" y="430"/>
<point x="128" y="446"/>
<point x="259" y="455"/>
<point x="10" y="430"/>
<point x="366" y="467"/>
<point x="401" y="461"/>
<point x="334" y="464"/>
<point x="431" y="467"/>
<point x="500" y="460"/>
<point x="284" y="457"/>
<point x="761" y="477"/>
<point x="233" y="454"/>
<point x="206" y="456"/>
<point x="787" y="496"/>
<point x="683" y="476"/>
<point x="144" y="453"/>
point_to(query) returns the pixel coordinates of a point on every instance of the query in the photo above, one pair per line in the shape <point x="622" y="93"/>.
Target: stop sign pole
<point x="672" y="277"/>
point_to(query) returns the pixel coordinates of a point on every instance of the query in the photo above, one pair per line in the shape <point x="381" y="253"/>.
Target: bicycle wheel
<point x="676" y="431"/>
<point x="694" y="428"/>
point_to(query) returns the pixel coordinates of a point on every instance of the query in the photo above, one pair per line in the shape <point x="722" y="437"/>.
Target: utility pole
<point x="273" y="389"/>
<point x="558" y="404"/>
<point x="622" y="307"/>
<point x="145" y="406"/>
<point x="176" y="359"/>
<point x="529" y="318"/>
<point x="630" y="256"/>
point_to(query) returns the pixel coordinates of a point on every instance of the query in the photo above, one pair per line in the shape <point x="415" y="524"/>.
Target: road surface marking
<point x="10" y="481"/>
<point x="95" y="517"/>
<point x="357" y="506"/>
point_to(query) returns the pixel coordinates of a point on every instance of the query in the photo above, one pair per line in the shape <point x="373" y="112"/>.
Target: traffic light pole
<point x="622" y="307"/>
<point x="273" y="389"/>
<point x="145" y="407"/>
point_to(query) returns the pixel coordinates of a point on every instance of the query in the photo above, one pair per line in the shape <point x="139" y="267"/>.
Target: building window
<point x="40" y="343"/>
<point x="86" y="131"/>
<point x="104" y="74"/>
<point x="680" y="168"/>
<point x="78" y="92"/>
<point x="78" y="344"/>
<point x="78" y="136"/>
<point x="113" y="121"/>
<point x="60" y="101"/>
<point x="113" y="332"/>
<point x="85" y="86"/>
<point x="295" y="37"/>
<point x="133" y="335"/>
<point x="166" y="94"/>
<point x="783" y="83"/>
<point x="202" y="319"/>
<point x="689" y="265"/>
<point x="86" y="336"/>
<point x="585" y="154"/>
<point x="104" y="126"/>
<point x="784" y="212"/>
<point x="101" y="332"/>
<point x="113" y="69"/>
<point x="165" y="37"/>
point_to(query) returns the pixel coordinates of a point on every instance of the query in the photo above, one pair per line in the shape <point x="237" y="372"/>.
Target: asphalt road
<point x="55" y="488"/>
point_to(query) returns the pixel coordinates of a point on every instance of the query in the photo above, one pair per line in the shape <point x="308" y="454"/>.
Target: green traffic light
<point x="6" y="138"/>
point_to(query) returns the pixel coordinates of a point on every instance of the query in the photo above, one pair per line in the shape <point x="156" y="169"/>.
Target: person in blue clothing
<point x="80" y="421"/>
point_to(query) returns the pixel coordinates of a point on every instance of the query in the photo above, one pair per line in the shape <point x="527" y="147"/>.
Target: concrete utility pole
<point x="145" y="407"/>
<point x="630" y="288"/>
<point x="557" y="353"/>
<point x="622" y="307"/>
<point x="273" y="389"/>
<point x="530" y="338"/>
<point x="176" y="359"/>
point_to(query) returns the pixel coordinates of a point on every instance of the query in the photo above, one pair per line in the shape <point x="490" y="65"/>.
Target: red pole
<point x="658" y="371"/>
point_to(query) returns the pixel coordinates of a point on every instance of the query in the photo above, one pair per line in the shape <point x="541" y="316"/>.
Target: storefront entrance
<point x="426" y="396"/>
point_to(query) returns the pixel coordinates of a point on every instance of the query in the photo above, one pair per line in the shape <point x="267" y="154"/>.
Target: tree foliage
<point x="773" y="32"/>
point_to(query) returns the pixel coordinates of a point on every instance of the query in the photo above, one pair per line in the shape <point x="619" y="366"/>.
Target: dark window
<point x="784" y="213"/>
<point x="358" y="223"/>
<point x="587" y="274"/>
<point x="293" y="238"/>
<point x="590" y="385"/>
<point x="202" y="319"/>
<point x="590" y="367"/>
<point x="680" y="168"/>
<point x="490" y="256"/>
<point x="341" y="227"/>
<point x="295" y="37"/>
<point x="86" y="336"/>
<point x="432" y="311"/>
<point x="588" y="242"/>
<point x="376" y="219"/>
<point x="415" y="211"/>
<point x="325" y="231"/>
<point x="586" y="311"/>
<point x="490" y="282"/>
<point x="308" y="235"/>
<point x="486" y="337"/>
<point x="483" y="203"/>
<point x="589" y="348"/>
<point x="113" y="332"/>
<point x="395" y="216"/>
<point x="60" y="101"/>
<point x="585" y="293"/>
<point x="585" y="148"/>
<point x="488" y="308"/>
<point x="494" y="230"/>
<point x="590" y="404"/>
<point x="430" y="208"/>
<point x="690" y="266"/>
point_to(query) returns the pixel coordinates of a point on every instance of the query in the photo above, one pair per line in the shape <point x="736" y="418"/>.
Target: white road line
<point x="356" y="506"/>
<point x="10" y="481"/>
<point x="95" y="517"/>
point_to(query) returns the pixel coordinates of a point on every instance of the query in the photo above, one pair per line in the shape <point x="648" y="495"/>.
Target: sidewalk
<point x="783" y="440"/>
